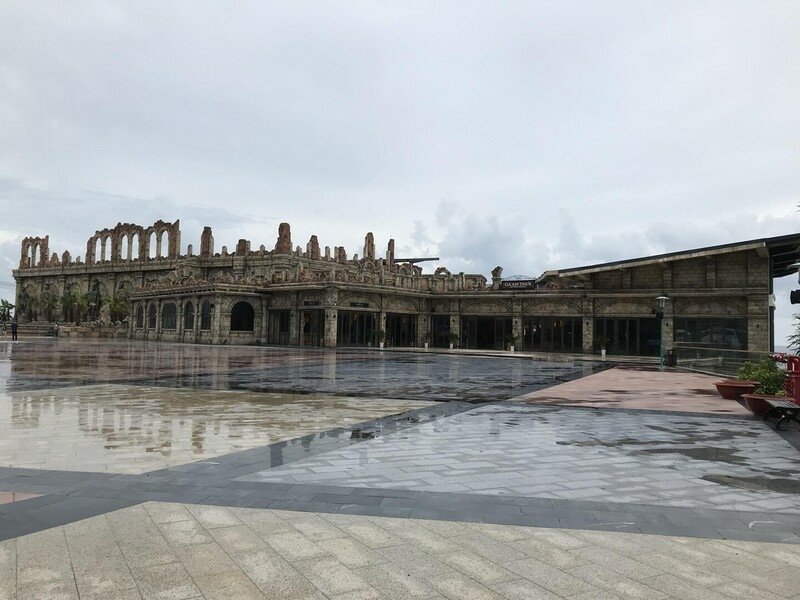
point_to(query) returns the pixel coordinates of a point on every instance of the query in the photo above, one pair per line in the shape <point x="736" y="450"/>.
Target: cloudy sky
<point x="531" y="135"/>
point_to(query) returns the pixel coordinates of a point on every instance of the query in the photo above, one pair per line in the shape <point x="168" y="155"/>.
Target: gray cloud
<point x="557" y="133"/>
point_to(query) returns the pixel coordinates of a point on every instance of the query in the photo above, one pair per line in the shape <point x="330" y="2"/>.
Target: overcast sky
<point x="531" y="135"/>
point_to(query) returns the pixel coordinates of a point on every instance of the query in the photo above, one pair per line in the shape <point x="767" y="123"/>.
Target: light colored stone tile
<point x="478" y="568"/>
<point x="166" y="512"/>
<point x="275" y="577"/>
<point x="396" y="583"/>
<point x="372" y="535"/>
<point x="8" y="569"/>
<point x="548" y="553"/>
<point x="457" y="585"/>
<point x="548" y="577"/>
<point x="294" y="546"/>
<point x="523" y="589"/>
<point x="266" y="523"/>
<point x="237" y="539"/>
<point x="676" y="586"/>
<point x="165" y="582"/>
<point x="350" y="552"/>
<point x="56" y="589"/>
<point x="211" y="517"/>
<point x="227" y="586"/>
<point x="184" y="533"/>
<point x="330" y="576"/>
<point x="616" y="583"/>
<point x="43" y="557"/>
<point x="202" y="560"/>
<point x="487" y="547"/>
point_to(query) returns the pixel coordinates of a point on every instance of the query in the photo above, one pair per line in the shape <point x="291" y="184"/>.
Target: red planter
<point x="733" y="389"/>
<point x="757" y="405"/>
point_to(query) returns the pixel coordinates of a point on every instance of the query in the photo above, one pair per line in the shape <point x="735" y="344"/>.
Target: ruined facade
<point x="718" y="296"/>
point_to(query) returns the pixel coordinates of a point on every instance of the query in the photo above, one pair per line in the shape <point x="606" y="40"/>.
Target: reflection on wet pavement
<point x="47" y="363"/>
<point x="132" y="429"/>
<point x="572" y="454"/>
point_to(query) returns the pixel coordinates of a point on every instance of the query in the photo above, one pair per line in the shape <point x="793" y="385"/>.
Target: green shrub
<point x="768" y="375"/>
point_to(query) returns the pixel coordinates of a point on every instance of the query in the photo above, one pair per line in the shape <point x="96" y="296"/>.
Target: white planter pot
<point x="451" y="345"/>
<point x="603" y="353"/>
<point x="426" y="345"/>
<point x="511" y="348"/>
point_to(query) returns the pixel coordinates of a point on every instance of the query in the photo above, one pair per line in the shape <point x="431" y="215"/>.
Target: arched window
<point x="242" y="317"/>
<point x="151" y="316"/>
<point x="169" y="316"/>
<point x="205" y="315"/>
<point x="188" y="316"/>
<point x="140" y="316"/>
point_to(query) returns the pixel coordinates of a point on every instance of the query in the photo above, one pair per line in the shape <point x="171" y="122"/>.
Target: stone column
<point x="423" y="326"/>
<point x="294" y="327"/>
<point x="158" y="320"/>
<point x="588" y="326"/>
<point x="516" y="323"/>
<point x="455" y="326"/>
<point x="264" y="319"/>
<point x="196" y="336"/>
<point x="331" y="327"/>
<point x="216" y="325"/>
<point x="179" y="325"/>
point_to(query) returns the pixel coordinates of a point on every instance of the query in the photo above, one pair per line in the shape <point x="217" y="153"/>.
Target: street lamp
<point x="662" y="302"/>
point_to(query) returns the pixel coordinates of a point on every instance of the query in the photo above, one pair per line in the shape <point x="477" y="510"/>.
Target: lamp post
<point x="662" y="302"/>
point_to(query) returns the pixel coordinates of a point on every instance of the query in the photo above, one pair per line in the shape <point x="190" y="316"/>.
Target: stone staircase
<point x="38" y="329"/>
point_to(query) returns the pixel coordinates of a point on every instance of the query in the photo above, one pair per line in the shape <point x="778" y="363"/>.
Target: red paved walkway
<point x="642" y="388"/>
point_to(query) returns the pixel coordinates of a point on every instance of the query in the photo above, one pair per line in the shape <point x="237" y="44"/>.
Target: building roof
<point x="783" y="250"/>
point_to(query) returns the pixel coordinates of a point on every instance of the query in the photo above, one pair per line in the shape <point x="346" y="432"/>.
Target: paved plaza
<point x="136" y="470"/>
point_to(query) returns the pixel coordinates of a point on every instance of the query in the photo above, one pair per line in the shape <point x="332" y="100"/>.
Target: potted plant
<point x="511" y="341"/>
<point x="381" y="335"/>
<point x="601" y="342"/>
<point x="426" y="338"/>
<point x="453" y="337"/>
<point x="769" y="383"/>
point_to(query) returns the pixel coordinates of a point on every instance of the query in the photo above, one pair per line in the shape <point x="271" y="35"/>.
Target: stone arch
<point x="169" y="316"/>
<point x="133" y="245"/>
<point x="124" y="246"/>
<point x="152" y="244"/>
<point x="188" y="316"/>
<point x="242" y="316"/>
<point x="140" y="316"/>
<point x="206" y="315"/>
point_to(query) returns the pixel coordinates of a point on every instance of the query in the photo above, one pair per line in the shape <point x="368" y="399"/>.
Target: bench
<point x="786" y="410"/>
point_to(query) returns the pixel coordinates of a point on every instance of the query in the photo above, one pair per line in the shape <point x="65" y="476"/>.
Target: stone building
<point x="719" y="296"/>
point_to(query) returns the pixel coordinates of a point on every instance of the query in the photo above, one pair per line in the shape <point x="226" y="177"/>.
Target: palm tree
<point x="49" y="302"/>
<point x="5" y="310"/>
<point x="82" y="306"/>
<point x="69" y="301"/>
<point x="117" y="307"/>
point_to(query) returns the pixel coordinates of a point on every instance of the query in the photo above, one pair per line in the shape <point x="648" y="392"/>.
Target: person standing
<point x="55" y="329"/>
<point x="14" y="330"/>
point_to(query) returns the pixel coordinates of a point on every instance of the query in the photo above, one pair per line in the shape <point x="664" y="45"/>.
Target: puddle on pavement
<point x="725" y="455"/>
<point x="784" y="486"/>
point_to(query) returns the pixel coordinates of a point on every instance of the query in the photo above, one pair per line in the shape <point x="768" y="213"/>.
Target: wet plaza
<point x="152" y="470"/>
